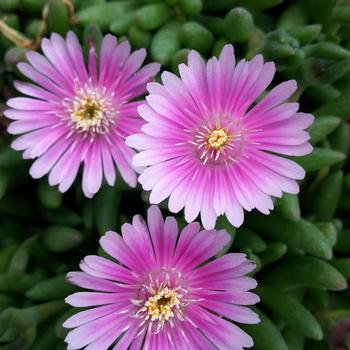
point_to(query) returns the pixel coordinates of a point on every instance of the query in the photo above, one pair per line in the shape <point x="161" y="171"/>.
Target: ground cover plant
<point x="99" y="154"/>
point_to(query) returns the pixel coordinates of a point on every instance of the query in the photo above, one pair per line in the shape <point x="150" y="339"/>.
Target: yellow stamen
<point x="88" y="112"/>
<point x="160" y="306"/>
<point x="217" y="139"/>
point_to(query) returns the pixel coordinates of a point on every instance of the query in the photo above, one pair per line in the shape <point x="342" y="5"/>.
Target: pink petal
<point x="92" y="174"/>
<point x="89" y="315"/>
<point x="44" y="164"/>
<point x="103" y="268"/>
<point x="86" y="281"/>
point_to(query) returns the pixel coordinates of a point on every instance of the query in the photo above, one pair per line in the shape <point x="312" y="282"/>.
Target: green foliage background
<point x="302" y="249"/>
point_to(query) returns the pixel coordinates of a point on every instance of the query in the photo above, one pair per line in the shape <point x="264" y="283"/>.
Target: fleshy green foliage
<point x="302" y="249"/>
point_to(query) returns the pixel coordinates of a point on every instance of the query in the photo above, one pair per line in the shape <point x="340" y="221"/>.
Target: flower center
<point x="217" y="139"/>
<point x="161" y="305"/>
<point x="88" y="111"/>
<point x="218" y="143"/>
<point x="161" y="298"/>
<point x="91" y="111"/>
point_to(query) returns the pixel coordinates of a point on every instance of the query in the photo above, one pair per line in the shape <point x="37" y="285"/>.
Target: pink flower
<point x="211" y="148"/>
<point x="162" y="293"/>
<point x="76" y="114"/>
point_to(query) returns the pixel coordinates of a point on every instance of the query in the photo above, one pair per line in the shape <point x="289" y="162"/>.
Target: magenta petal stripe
<point x="210" y="148"/>
<point x="164" y="290"/>
<point x="78" y="113"/>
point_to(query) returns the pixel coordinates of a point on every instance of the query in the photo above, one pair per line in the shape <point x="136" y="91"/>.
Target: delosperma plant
<point x="174" y="174"/>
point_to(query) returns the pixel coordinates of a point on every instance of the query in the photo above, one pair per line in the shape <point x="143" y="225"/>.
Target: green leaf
<point x="165" y="43"/>
<point x="179" y="57"/>
<point x="294" y="339"/>
<point x="339" y="107"/>
<point x="341" y="13"/>
<point x="82" y="4"/>
<point x="246" y="238"/>
<point x="6" y="254"/>
<point x="6" y="301"/>
<point x="279" y="45"/>
<point x="49" y="196"/>
<point x="9" y="5"/>
<point x="343" y="243"/>
<point x="59" y="330"/>
<point x="322" y="71"/>
<point x="288" y="206"/>
<point x="191" y="7"/>
<point x="138" y="38"/>
<point x="319" y="10"/>
<point x="327" y="50"/>
<point x="319" y="158"/>
<point x="273" y="252"/>
<point x="107" y="202"/>
<point x="265" y="334"/>
<point x="121" y="25"/>
<point x="5" y="176"/>
<point x="62" y="216"/>
<point x="152" y="16"/>
<point x="18" y="283"/>
<point x="261" y="4"/>
<point x="223" y="224"/>
<point x="9" y="158"/>
<point x="343" y="266"/>
<point x="292" y="18"/>
<point x="41" y="312"/>
<point x="239" y="24"/>
<point x="291" y="310"/>
<point x="300" y="234"/>
<point x="32" y="7"/>
<point x="46" y="339"/>
<point x="322" y="94"/>
<point x="104" y="14"/>
<point x="60" y="239"/>
<point x="326" y="197"/>
<point x="340" y="139"/>
<point x="215" y="24"/>
<point x="305" y="34"/>
<point x="253" y="257"/>
<point x="321" y="127"/>
<point x="218" y="46"/>
<point x="304" y="271"/>
<point x="20" y="259"/>
<point x="195" y="36"/>
<point x="319" y="297"/>
<point x="329" y="231"/>
<point x="51" y="289"/>
<point x="57" y="18"/>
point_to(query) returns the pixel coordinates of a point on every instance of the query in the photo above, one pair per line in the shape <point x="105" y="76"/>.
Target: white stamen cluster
<point x="91" y="111"/>
<point x="218" y="144"/>
<point x="160" y="305"/>
<point x="159" y="302"/>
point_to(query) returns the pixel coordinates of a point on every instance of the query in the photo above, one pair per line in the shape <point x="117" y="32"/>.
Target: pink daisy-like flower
<point x="161" y="293"/>
<point x="210" y="148"/>
<point x="80" y="114"/>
